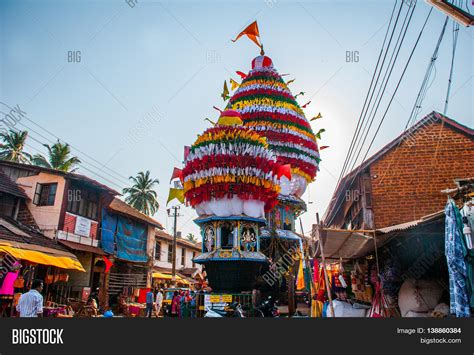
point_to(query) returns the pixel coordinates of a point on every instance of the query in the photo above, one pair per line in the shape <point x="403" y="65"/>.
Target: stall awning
<point x="163" y="276"/>
<point x="82" y="247"/>
<point x="57" y="260"/>
<point x="346" y="244"/>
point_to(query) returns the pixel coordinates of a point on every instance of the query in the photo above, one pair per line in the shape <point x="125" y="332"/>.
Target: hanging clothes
<point x="467" y="213"/>
<point x="300" y="276"/>
<point x="456" y="252"/>
<point x="8" y="286"/>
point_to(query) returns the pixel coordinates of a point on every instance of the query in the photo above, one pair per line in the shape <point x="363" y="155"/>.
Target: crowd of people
<point x="183" y="304"/>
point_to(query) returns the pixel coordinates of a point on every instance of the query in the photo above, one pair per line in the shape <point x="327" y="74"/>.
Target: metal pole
<point x="323" y="259"/>
<point x="173" y="262"/>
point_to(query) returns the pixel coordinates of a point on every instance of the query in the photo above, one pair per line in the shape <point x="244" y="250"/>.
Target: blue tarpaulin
<point x="124" y="238"/>
<point x="109" y="227"/>
<point x="131" y="240"/>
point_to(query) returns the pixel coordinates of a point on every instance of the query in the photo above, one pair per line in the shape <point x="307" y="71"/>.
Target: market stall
<point x="22" y="262"/>
<point x="163" y="280"/>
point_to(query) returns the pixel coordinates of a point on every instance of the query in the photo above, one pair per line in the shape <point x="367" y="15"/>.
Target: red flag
<point x="177" y="173"/>
<point x="251" y="31"/>
<point x="323" y="147"/>
<point x="284" y="170"/>
<point x="242" y="75"/>
<point x="306" y="104"/>
<point x="108" y="264"/>
<point x="187" y="150"/>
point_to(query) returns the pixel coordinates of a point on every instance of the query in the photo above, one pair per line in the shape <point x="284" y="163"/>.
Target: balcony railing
<point x="64" y="235"/>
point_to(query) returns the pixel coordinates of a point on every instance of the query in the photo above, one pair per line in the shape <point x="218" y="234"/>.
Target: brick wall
<point x="25" y="216"/>
<point x="409" y="178"/>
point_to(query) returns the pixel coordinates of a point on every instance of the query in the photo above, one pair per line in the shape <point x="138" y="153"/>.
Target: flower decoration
<point x="230" y="161"/>
<point x="268" y="108"/>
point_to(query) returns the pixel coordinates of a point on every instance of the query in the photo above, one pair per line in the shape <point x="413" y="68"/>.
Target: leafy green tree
<point x="59" y="158"/>
<point x="141" y="194"/>
<point x="12" y="145"/>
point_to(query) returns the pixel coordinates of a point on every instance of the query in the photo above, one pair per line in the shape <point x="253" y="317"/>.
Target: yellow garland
<point x="266" y="101"/>
<point x="217" y="179"/>
<point x="280" y="126"/>
<point x="298" y="171"/>
<point x="264" y="83"/>
<point x="229" y="121"/>
<point x="226" y="135"/>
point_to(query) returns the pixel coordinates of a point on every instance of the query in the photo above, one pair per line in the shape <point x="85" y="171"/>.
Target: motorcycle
<point x="268" y="308"/>
<point x="233" y="310"/>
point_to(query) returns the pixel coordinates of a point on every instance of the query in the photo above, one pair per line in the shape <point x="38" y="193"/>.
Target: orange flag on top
<point x="251" y="31"/>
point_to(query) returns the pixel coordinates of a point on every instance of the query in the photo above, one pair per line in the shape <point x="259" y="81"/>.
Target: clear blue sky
<point x="148" y="76"/>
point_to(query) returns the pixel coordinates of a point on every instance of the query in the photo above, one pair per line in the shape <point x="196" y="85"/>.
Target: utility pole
<point x="175" y="233"/>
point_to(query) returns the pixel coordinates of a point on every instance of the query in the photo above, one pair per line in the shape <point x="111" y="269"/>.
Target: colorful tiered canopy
<point x="268" y="107"/>
<point x="230" y="170"/>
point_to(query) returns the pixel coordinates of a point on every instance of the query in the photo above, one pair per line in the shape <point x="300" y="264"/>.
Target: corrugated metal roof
<point x="345" y="244"/>
<point x="411" y="224"/>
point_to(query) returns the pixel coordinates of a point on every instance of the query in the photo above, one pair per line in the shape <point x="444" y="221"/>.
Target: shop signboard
<point x="217" y="301"/>
<point x="83" y="226"/>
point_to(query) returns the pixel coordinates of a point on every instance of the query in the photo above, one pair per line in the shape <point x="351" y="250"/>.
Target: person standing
<point x="158" y="302"/>
<point x="149" y="303"/>
<point x="192" y="305"/>
<point x="30" y="304"/>
<point x="175" y="304"/>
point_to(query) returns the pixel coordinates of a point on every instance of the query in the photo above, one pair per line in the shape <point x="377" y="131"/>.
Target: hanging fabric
<point x="456" y="252"/>
<point x="379" y="307"/>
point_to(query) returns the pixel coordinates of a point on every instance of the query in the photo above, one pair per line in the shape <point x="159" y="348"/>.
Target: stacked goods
<point x="268" y="107"/>
<point x="231" y="171"/>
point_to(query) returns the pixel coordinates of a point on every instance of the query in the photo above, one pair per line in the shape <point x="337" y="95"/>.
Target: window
<point x="7" y="205"/>
<point x="45" y="194"/>
<point x="170" y="253"/>
<point x="157" y="251"/>
<point x="227" y="236"/>
<point x="83" y="202"/>
<point x="183" y="256"/>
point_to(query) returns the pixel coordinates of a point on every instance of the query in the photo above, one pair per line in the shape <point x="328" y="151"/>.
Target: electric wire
<point x="338" y="205"/>
<point x="450" y="80"/>
<point x="384" y="84"/>
<point x="83" y="161"/>
<point x="355" y="135"/>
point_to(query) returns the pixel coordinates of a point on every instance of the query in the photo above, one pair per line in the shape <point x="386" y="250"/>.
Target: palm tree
<point x="12" y="146"/>
<point x="190" y="237"/>
<point x="59" y="158"/>
<point x="141" y="195"/>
